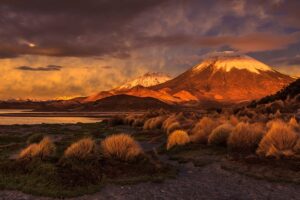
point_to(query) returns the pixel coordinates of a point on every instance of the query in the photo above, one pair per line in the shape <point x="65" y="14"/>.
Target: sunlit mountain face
<point x="222" y="76"/>
<point x="54" y="49"/>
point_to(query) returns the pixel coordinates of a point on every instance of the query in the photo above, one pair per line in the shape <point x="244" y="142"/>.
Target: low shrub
<point x="277" y="114"/>
<point x="233" y="120"/>
<point x="35" y="138"/>
<point x="121" y="147"/>
<point x="129" y="119"/>
<point x="220" y="135"/>
<point x="42" y="150"/>
<point x="245" y="137"/>
<point x="82" y="150"/>
<point x="115" y="121"/>
<point x="171" y="119"/>
<point x="297" y="147"/>
<point x="280" y="141"/>
<point x="293" y="123"/>
<point x="172" y="127"/>
<point x="178" y="137"/>
<point x="203" y="129"/>
<point x="154" y="123"/>
<point x="138" y="122"/>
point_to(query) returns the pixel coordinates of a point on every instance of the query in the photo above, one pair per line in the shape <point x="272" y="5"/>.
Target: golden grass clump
<point x="44" y="149"/>
<point x="245" y="137"/>
<point x="171" y="123"/>
<point x="277" y="114"/>
<point x="138" y="122"/>
<point x="220" y="135"/>
<point x="233" y="120"/>
<point x="203" y="129"/>
<point x="178" y="137"/>
<point x="83" y="149"/>
<point x="293" y="123"/>
<point x="171" y="119"/>
<point x="121" y="147"/>
<point x="154" y="123"/>
<point x="297" y="147"/>
<point x="129" y="119"/>
<point x="172" y="127"/>
<point x="271" y="122"/>
<point x="280" y="141"/>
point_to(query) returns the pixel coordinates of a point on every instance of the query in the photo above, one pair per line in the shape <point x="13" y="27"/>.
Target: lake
<point x="15" y="116"/>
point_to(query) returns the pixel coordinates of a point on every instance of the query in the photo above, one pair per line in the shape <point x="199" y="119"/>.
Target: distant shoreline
<point x="66" y="114"/>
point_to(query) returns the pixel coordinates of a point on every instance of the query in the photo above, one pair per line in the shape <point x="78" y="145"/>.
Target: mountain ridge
<point x="212" y="80"/>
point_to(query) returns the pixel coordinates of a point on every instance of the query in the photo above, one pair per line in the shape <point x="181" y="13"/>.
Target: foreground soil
<point x="208" y="182"/>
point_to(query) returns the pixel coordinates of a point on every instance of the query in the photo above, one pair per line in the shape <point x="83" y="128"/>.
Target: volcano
<point x="137" y="87"/>
<point x="220" y="77"/>
<point x="146" y="80"/>
<point x="227" y="76"/>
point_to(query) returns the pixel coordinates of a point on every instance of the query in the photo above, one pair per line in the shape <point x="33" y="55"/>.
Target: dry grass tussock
<point x="121" y="147"/>
<point x="271" y="122"/>
<point x="203" y="129"/>
<point x="154" y="123"/>
<point x="245" y="137"/>
<point x="297" y="147"/>
<point x="138" y="122"/>
<point x="244" y="119"/>
<point x="170" y="119"/>
<point x="280" y="141"/>
<point x="155" y="113"/>
<point x="220" y="135"/>
<point x="134" y="120"/>
<point x="129" y="119"/>
<point x="44" y="149"/>
<point x="171" y="123"/>
<point x="172" y="127"/>
<point x="178" y="137"/>
<point x="83" y="149"/>
<point x="293" y="123"/>
<point x="233" y="120"/>
<point x="277" y="114"/>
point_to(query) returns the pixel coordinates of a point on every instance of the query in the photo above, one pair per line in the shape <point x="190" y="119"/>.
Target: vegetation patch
<point x="72" y="163"/>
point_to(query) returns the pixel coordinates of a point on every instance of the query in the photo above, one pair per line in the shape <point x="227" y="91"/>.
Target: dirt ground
<point x="209" y="182"/>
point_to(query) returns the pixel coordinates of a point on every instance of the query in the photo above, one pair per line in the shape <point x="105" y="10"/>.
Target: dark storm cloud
<point x="292" y="60"/>
<point x="47" y="68"/>
<point x="247" y="43"/>
<point x="116" y="27"/>
<point x="64" y="28"/>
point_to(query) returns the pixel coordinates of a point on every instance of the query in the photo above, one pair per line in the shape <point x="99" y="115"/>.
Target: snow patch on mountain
<point x="229" y="60"/>
<point x="146" y="80"/>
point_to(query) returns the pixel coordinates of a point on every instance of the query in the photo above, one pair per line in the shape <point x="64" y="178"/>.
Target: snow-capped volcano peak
<point x="146" y="80"/>
<point x="228" y="60"/>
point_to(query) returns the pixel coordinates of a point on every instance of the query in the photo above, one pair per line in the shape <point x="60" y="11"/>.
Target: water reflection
<point x="10" y="120"/>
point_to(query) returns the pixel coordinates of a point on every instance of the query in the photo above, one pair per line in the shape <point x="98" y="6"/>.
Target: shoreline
<point x="67" y="114"/>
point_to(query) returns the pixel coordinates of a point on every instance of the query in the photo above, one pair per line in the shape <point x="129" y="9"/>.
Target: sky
<point x="62" y="49"/>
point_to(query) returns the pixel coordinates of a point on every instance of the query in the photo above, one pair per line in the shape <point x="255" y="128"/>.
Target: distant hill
<point x="23" y="104"/>
<point x="125" y="102"/>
